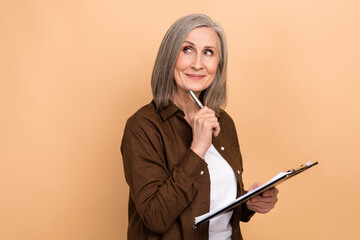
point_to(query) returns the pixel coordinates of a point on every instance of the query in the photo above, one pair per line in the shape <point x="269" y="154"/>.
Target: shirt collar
<point x="169" y="110"/>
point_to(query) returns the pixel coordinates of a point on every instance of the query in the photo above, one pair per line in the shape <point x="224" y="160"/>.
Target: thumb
<point x="255" y="185"/>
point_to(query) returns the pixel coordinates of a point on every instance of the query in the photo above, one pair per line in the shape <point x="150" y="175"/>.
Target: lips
<point x="195" y="76"/>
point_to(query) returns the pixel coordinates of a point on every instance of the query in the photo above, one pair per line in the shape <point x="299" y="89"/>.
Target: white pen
<point x="196" y="100"/>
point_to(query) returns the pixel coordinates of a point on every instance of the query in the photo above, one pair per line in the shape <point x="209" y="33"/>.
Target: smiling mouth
<point x="195" y="76"/>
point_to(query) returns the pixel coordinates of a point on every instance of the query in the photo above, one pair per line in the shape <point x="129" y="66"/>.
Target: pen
<point x="196" y="100"/>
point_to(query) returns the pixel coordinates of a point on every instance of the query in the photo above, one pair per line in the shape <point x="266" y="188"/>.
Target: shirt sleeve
<point x="246" y="214"/>
<point x="159" y="195"/>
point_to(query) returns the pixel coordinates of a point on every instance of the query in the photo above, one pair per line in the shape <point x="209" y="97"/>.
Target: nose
<point x="197" y="63"/>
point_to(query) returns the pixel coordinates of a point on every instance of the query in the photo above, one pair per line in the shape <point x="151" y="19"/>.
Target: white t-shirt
<point x="223" y="189"/>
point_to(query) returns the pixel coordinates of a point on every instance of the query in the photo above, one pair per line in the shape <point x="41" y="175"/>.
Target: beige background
<point x="72" y="72"/>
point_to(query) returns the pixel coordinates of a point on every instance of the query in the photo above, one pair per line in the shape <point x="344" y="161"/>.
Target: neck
<point x="185" y="103"/>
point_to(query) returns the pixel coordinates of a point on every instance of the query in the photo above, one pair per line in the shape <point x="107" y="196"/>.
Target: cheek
<point x="212" y="67"/>
<point x="182" y="62"/>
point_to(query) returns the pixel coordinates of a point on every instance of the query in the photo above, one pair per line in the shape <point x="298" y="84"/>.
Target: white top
<point x="223" y="189"/>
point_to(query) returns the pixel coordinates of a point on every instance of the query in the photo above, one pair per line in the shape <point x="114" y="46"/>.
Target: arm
<point x="159" y="195"/>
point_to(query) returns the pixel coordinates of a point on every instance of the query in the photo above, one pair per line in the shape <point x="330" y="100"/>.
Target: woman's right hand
<point x="204" y="124"/>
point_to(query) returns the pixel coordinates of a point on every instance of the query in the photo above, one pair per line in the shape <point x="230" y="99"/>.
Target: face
<point x="198" y="60"/>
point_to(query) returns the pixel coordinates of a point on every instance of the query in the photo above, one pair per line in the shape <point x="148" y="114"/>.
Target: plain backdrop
<point x="72" y="72"/>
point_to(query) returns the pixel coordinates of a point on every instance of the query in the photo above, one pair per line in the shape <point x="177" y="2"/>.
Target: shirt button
<point x="202" y="173"/>
<point x="222" y="148"/>
<point x="238" y="171"/>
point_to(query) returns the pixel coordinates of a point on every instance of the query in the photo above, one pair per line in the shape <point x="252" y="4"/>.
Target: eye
<point x="209" y="52"/>
<point x="187" y="49"/>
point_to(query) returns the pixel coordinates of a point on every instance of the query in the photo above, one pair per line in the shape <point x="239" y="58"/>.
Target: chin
<point x="198" y="87"/>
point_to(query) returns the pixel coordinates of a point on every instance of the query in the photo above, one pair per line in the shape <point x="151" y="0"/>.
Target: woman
<point x="181" y="161"/>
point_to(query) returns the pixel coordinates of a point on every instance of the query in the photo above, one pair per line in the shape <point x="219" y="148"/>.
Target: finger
<point x="259" y="199"/>
<point x="205" y="109"/>
<point x="205" y="117"/>
<point x="204" y="122"/>
<point x="262" y="200"/>
<point x="270" y="193"/>
<point x="266" y="199"/>
<point x="216" y="130"/>
<point x="259" y="208"/>
<point x="209" y="121"/>
<point x="255" y="185"/>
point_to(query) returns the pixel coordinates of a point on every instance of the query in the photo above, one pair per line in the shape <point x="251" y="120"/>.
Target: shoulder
<point x="145" y="118"/>
<point x="228" y="128"/>
<point x="225" y="119"/>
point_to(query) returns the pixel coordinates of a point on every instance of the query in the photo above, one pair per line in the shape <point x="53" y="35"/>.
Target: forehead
<point x="203" y="36"/>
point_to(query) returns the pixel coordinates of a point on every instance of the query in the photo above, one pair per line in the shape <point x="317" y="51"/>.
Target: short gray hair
<point x="162" y="80"/>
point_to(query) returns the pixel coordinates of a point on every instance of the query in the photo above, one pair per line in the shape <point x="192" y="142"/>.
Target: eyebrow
<point x="193" y="44"/>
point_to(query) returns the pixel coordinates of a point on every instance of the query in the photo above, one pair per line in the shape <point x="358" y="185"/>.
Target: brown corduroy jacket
<point x="169" y="183"/>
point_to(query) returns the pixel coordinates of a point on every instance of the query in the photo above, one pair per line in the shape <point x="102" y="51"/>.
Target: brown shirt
<point x="169" y="183"/>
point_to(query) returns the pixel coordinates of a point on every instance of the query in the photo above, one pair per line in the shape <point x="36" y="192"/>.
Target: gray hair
<point x="162" y="80"/>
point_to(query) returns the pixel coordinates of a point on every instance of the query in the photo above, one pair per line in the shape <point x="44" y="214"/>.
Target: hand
<point x="263" y="202"/>
<point x="204" y="125"/>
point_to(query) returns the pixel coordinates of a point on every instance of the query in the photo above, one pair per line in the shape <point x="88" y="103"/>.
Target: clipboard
<point x="279" y="178"/>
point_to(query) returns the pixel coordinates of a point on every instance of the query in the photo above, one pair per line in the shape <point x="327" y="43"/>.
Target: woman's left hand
<point x="263" y="202"/>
